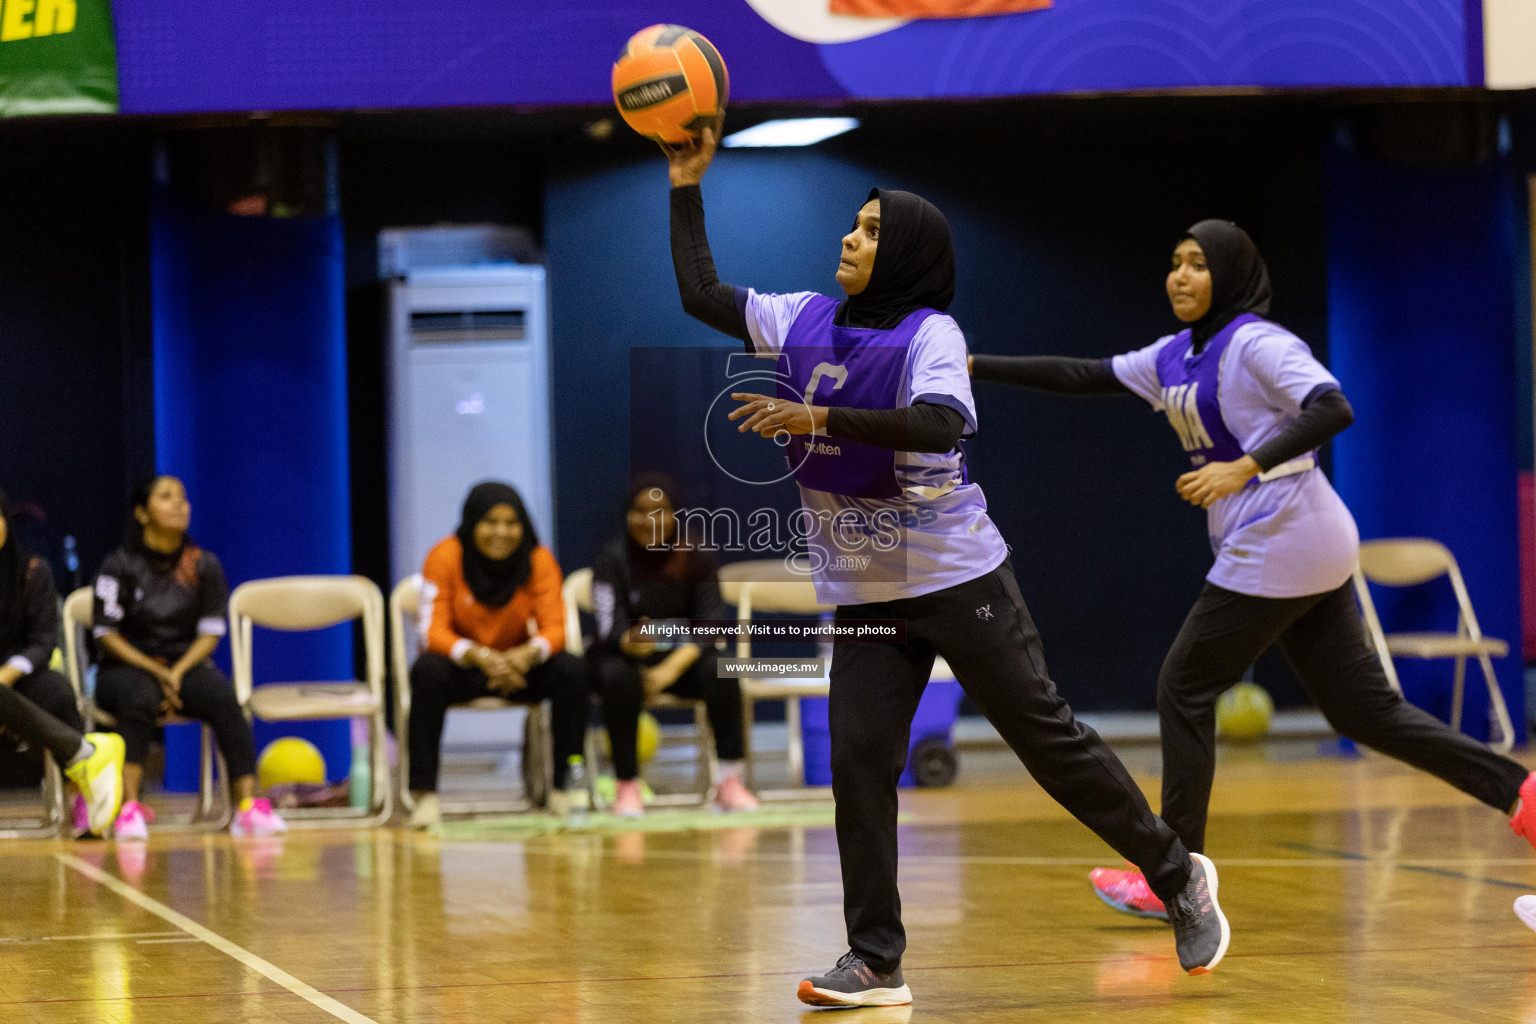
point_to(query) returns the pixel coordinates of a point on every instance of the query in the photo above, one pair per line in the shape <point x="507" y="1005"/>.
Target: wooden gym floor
<point x="1357" y="890"/>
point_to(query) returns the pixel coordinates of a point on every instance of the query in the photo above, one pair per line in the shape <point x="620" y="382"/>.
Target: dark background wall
<point x="76" y="399"/>
<point x="1425" y="312"/>
<point x="1063" y="219"/>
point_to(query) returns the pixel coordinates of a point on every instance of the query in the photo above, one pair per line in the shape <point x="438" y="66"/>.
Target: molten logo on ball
<point x="669" y="83"/>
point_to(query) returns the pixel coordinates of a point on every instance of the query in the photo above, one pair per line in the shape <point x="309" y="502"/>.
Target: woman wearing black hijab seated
<point x="875" y="401"/>
<point x="481" y="587"/>
<point x="1251" y="406"/>
<point x="641" y="575"/>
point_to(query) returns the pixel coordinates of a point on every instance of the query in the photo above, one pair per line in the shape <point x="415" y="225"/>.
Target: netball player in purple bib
<point x="875" y="401"/>
<point x="1251" y="406"/>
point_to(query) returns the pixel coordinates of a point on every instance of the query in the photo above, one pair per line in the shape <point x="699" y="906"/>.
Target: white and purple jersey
<point x="946" y="537"/>
<point x="1287" y="534"/>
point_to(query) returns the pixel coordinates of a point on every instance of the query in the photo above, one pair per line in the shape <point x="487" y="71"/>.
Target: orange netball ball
<point x="669" y="83"/>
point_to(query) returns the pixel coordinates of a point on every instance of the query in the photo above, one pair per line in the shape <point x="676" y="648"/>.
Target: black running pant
<point x="1323" y="637"/>
<point x="985" y="633"/>
<point x="133" y="697"/>
<point x="623" y="692"/>
<point x="39" y="709"/>
<point x="437" y="684"/>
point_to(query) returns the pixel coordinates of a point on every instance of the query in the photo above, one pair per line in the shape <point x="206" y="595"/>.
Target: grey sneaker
<point x="854" y="983"/>
<point x="1200" y="929"/>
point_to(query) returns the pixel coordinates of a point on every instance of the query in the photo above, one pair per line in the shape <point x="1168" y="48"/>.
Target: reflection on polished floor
<point x="1358" y="891"/>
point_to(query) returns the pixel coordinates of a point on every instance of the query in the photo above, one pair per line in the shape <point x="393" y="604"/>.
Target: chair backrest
<point x="1410" y="561"/>
<point x="297" y="603"/>
<point x="78" y="614"/>
<point x="767" y="585"/>
<point x="1405" y="561"/>
<point x="577" y="591"/>
<point x="404" y="604"/>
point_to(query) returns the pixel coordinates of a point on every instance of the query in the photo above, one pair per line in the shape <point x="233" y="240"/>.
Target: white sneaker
<point x="427" y="813"/>
<point x="1525" y="910"/>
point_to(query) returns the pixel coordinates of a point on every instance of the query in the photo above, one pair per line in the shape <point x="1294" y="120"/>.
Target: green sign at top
<point x="57" y="57"/>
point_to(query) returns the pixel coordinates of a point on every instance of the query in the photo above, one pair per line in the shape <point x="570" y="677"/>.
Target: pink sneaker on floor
<point x="81" y="814"/>
<point x="627" y="799"/>
<point x="257" y="818"/>
<point x="133" y="821"/>
<point x="1127" y="892"/>
<point x="733" y="795"/>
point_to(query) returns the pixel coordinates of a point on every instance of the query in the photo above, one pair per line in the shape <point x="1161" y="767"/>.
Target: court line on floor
<point x="100" y="937"/>
<point x="268" y="970"/>
<point x="630" y="980"/>
<point x="1425" y="869"/>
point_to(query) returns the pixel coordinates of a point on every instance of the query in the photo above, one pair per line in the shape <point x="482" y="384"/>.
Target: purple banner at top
<point x="177" y="56"/>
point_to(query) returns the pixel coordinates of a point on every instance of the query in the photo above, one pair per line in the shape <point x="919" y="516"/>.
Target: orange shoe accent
<point x="809" y="996"/>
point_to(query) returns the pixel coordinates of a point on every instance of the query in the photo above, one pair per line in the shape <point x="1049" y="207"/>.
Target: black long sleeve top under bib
<point x="919" y="428"/>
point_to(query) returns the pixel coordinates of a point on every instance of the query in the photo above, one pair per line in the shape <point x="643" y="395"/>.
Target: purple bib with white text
<point x="1192" y="394"/>
<point x="853" y="368"/>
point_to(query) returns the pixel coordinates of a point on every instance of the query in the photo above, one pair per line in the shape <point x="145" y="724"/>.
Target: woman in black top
<point x="641" y="576"/>
<point x="37" y="704"/>
<point x="29" y="632"/>
<point x="160" y="610"/>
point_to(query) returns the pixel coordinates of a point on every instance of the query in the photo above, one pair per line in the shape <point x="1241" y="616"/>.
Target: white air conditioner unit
<point x="469" y="399"/>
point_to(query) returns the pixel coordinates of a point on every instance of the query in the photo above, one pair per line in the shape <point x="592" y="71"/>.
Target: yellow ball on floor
<point x="290" y="760"/>
<point x="1244" y="712"/>
<point x="647" y="738"/>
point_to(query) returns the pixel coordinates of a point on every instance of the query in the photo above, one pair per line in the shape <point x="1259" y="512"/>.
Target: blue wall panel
<point x="1422" y="330"/>
<point x="251" y="412"/>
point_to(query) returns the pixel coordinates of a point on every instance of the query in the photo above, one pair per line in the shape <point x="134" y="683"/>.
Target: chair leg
<point x="537" y="757"/>
<point x="1458" y="693"/>
<point x="205" y="777"/>
<point x="590" y="750"/>
<point x="1500" y="709"/>
<point x="747" y="714"/>
<point x="403" y="758"/>
<point x="381" y="792"/>
<point x="704" y="774"/>
<point x="796" y="743"/>
<point x="55" y="806"/>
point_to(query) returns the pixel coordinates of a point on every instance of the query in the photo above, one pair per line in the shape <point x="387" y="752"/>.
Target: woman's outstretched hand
<point x="687" y="163"/>
<point x="1216" y="480"/>
<point x="774" y="416"/>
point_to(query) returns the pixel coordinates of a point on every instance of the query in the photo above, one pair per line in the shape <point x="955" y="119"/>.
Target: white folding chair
<point x="577" y="591"/>
<point x="214" y="807"/>
<point x="298" y="603"/>
<point x="404" y="624"/>
<point x="769" y="585"/>
<point x="1411" y="561"/>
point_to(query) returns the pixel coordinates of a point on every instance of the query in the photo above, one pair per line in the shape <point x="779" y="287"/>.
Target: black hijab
<point x="133" y="533"/>
<point x="914" y="264"/>
<point x="494" y="581"/>
<point x="13" y="577"/>
<point x="1239" y="279"/>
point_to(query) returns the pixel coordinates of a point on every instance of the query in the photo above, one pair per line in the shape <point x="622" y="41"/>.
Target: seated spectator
<point x="37" y="705"/>
<point x="481" y="586"/>
<point x="160" y="609"/>
<point x="643" y="575"/>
